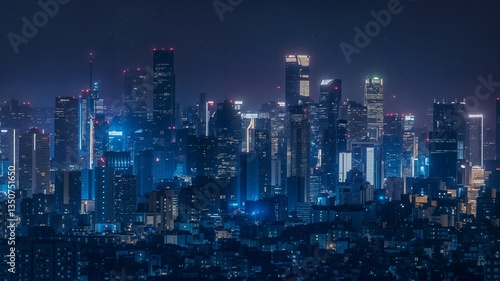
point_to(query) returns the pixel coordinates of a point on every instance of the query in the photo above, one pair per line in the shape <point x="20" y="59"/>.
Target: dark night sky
<point x="432" y="49"/>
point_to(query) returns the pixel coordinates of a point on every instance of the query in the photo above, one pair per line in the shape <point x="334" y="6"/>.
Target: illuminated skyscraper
<point x="263" y="150"/>
<point x="297" y="80"/>
<point x="393" y="145"/>
<point x="136" y="90"/>
<point x="66" y="138"/>
<point x="16" y="115"/>
<point x="374" y="102"/>
<point x="357" y="122"/>
<point x="163" y="93"/>
<point x="409" y="145"/>
<point x="443" y="162"/>
<point x="228" y="133"/>
<point x="34" y="162"/>
<point x="277" y="116"/>
<point x="330" y="98"/>
<point x="450" y="117"/>
<point x="475" y="140"/>
<point x="298" y="156"/>
<point x="90" y="109"/>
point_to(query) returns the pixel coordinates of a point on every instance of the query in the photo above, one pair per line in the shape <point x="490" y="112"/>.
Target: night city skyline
<point x="421" y="49"/>
<point x="250" y="140"/>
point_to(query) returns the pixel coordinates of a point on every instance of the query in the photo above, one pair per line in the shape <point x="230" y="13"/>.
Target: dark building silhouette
<point x="228" y="133"/>
<point x="393" y="145"/>
<point x="66" y="133"/>
<point x="374" y="102"/>
<point x="296" y="80"/>
<point x="201" y="156"/>
<point x="443" y="160"/>
<point x="34" y="162"/>
<point x="68" y="192"/>
<point x="330" y="98"/>
<point x="163" y="95"/>
<point x="298" y="155"/>
<point x="357" y="121"/>
<point x="16" y="115"/>
<point x="263" y="149"/>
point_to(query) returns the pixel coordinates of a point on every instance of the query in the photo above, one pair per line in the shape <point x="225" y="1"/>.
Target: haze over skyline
<point x="428" y="51"/>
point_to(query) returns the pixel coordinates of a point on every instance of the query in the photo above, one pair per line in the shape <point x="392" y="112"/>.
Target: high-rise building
<point x="9" y="146"/>
<point x="298" y="156"/>
<point x="104" y="188"/>
<point x="135" y="93"/>
<point x="277" y="116"/>
<point x="66" y="135"/>
<point x="163" y="93"/>
<point x="90" y="109"/>
<point x="315" y="157"/>
<point x="374" y="102"/>
<point x="345" y="165"/>
<point x="124" y="199"/>
<point x="68" y="192"/>
<point x="443" y="162"/>
<point x="203" y="116"/>
<point x="297" y="80"/>
<point x="410" y="148"/>
<point x="451" y="117"/>
<point x="16" y="115"/>
<point x="330" y="98"/>
<point x="201" y="156"/>
<point x="342" y="135"/>
<point x="228" y="133"/>
<point x="367" y="158"/>
<point x="393" y="145"/>
<point x="489" y="144"/>
<point x="475" y="140"/>
<point x="34" y="162"/>
<point x="263" y="150"/>
<point x="357" y="122"/>
<point x="136" y="108"/>
<point x="101" y="140"/>
<point x="164" y="204"/>
<point x="248" y="178"/>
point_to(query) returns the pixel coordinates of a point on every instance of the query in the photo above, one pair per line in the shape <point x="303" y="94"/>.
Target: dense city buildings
<point x="307" y="187"/>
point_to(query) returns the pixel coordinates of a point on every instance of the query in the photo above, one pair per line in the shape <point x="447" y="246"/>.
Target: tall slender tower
<point x="475" y="140"/>
<point x="163" y="92"/>
<point x="228" y="132"/>
<point x="330" y="98"/>
<point x="34" y="162"/>
<point x="374" y="102"/>
<point x="297" y="80"/>
<point x="299" y="148"/>
<point x="393" y="145"/>
<point x="66" y="124"/>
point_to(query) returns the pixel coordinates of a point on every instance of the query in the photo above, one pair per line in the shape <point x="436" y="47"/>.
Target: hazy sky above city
<point x="431" y="49"/>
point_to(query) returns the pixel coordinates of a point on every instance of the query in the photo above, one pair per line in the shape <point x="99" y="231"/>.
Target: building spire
<point x="91" y="58"/>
